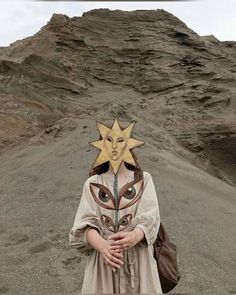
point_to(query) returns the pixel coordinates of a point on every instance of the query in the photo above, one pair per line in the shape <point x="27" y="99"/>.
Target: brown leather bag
<point x="165" y="254"/>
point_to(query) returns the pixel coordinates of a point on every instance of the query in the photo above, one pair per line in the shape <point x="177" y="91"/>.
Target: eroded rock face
<point x="146" y="65"/>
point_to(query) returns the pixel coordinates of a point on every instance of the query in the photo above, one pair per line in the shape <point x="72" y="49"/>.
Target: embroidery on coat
<point x="128" y="195"/>
<point x="124" y="222"/>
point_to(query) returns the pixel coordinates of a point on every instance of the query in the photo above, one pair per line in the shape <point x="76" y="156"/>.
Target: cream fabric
<point x="139" y="273"/>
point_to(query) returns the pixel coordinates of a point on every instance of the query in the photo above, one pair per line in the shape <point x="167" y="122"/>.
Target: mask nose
<point x="114" y="145"/>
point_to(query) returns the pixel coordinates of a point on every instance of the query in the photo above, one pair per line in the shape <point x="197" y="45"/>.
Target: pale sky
<point x="20" y="19"/>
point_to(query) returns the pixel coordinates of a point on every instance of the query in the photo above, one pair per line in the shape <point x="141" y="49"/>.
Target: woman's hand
<point x="126" y="240"/>
<point x="111" y="257"/>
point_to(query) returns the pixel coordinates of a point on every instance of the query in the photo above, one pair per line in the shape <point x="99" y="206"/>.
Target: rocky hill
<point x="143" y="65"/>
<point x="134" y="63"/>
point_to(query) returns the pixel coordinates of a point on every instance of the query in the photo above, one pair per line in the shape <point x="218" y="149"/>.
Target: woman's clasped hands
<point x="117" y="243"/>
<point x="111" y="257"/>
<point x="122" y="241"/>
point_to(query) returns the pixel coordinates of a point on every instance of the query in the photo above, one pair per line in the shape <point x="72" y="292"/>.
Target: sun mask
<point x="115" y="145"/>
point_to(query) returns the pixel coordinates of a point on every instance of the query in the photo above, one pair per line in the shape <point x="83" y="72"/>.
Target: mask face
<point x="115" y="145"/>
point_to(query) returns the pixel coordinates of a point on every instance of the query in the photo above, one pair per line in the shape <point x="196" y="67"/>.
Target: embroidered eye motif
<point x="103" y="196"/>
<point x="127" y="196"/>
<point x="108" y="222"/>
<point x="130" y="193"/>
<point x="123" y="223"/>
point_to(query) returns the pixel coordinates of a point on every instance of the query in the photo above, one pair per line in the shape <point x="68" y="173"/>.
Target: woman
<point x="118" y="219"/>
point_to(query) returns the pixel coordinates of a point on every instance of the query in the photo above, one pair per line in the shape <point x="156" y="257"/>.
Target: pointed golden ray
<point x="102" y="158"/>
<point x="132" y="143"/>
<point x="116" y="125"/>
<point x="128" y="157"/>
<point x="116" y="165"/>
<point x="128" y="130"/>
<point x="103" y="129"/>
<point x="98" y="144"/>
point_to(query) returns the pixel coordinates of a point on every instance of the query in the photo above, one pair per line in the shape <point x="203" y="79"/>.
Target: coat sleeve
<point x="147" y="216"/>
<point x="85" y="218"/>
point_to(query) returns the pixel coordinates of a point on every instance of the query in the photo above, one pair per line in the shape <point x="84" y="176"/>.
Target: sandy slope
<point x="41" y="183"/>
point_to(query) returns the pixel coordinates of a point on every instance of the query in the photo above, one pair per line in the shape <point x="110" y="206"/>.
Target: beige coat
<point x="138" y="207"/>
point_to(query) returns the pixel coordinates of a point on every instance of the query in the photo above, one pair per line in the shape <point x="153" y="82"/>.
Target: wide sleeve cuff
<point x="78" y="239"/>
<point x="86" y="217"/>
<point x="147" y="216"/>
<point x="150" y="229"/>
